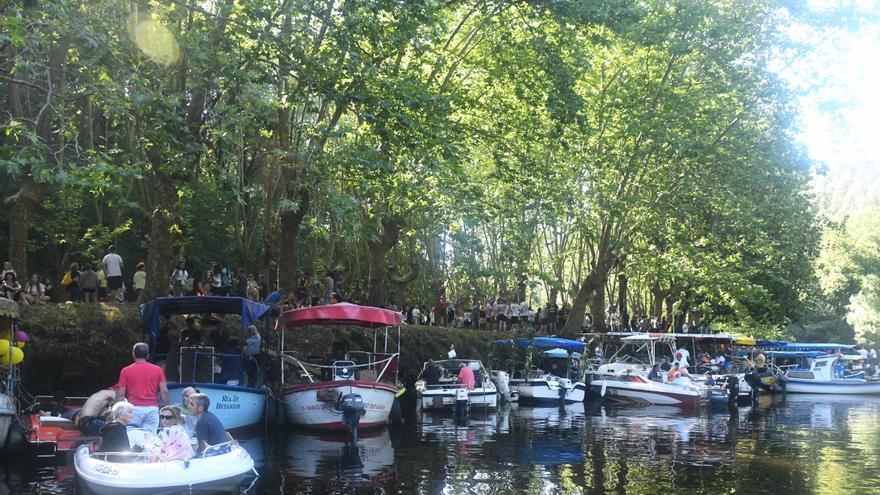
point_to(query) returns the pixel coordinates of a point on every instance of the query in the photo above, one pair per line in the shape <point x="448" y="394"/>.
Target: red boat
<point x="51" y="437"/>
<point x="352" y="389"/>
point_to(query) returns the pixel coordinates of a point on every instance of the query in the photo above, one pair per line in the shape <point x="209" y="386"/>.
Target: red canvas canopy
<point x="340" y="314"/>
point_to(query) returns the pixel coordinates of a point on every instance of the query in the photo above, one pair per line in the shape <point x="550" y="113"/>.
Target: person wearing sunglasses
<point x="172" y="442"/>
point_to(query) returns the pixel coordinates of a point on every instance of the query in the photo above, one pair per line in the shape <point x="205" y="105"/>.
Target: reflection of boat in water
<point x="639" y="422"/>
<point x="314" y="455"/>
<point x="478" y="428"/>
<point x="553" y="416"/>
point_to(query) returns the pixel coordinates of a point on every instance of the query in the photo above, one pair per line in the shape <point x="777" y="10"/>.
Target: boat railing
<point x="190" y="361"/>
<point x="385" y="363"/>
<point x="220" y="448"/>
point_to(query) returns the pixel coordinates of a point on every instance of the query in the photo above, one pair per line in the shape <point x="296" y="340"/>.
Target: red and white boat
<point x="320" y="392"/>
<point x="626" y="378"/>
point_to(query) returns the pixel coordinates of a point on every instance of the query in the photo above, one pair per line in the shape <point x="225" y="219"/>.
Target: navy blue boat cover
<point x="546" y="343"/>
<point x="249" y="311"/>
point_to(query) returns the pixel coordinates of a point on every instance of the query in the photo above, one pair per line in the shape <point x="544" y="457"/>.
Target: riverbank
<point x="80" y="348"/>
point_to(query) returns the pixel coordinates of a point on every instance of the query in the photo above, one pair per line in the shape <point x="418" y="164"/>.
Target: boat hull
<point x="647" y="393"/>
<point x="445" y="398"/>
<point x="235" y="406"/>
<point x="220" y="472"/>
<point x="548" y="392"/>
<point x="795" y="386"/>
<point x="305" y="406"/>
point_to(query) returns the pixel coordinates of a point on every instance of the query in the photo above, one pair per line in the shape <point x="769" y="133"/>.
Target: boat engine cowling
<point x="352" y="407"/>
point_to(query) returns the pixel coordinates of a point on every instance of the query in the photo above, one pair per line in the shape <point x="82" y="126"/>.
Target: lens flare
<point x="154" y="39"/>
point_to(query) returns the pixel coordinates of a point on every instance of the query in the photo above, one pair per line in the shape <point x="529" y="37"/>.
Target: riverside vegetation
<point x="80" y="348"/>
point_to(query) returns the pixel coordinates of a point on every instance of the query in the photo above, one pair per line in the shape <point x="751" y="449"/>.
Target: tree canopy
<point x="600" y="154"/>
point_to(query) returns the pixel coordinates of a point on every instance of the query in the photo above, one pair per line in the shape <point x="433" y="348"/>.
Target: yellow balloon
<point x="20" y="344"/>
<point x="4" y="347"/>
<point x="15" y="355"/>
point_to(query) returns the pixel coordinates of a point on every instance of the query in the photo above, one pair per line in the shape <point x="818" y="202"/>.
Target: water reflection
<point x="328" y="462"/>
<point x="800" y="444"/>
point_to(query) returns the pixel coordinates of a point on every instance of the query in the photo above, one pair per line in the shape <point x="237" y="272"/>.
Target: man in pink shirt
<point x="466" y="376"/>
<point x="143" y="384"/>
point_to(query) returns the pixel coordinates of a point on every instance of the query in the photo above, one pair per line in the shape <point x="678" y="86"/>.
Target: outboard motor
<point x="352" y="407"/>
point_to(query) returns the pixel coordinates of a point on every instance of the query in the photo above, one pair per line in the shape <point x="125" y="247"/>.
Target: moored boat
<point x="9" y="372"/>
<point x="827" y="375"/>
<point x="626" y="378"/>
<point x="236" y="405"/>
<point x="223" y="467"/>
<point x="442" y="395"/>
<point x="351" y="390"/>
<point x="7" y="415"/>
<point x="558" y="376"/>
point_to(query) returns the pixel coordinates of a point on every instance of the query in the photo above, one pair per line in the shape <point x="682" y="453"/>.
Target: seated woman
<point x="173" y="443"/>
<point x="114" y="434"/>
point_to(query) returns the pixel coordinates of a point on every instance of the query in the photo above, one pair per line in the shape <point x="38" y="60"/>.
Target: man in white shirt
<point x="113" y="269"/>
<point x="682" y="357"/>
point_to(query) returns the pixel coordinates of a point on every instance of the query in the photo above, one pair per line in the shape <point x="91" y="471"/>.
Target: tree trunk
<point x="291" y="220"/>
<point x="597" y="308"/>
<point x="622" y="310"/>
<point x="576" y="316"/>
<point x="20" y="206"/>
<point x="401" y="284"/>
<point x="387" y="239"/>
<point x="160" y="256"/>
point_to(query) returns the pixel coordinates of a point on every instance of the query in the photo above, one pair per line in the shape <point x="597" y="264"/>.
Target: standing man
<point x="466" y="376"/>
<point x="143" y="385"/>
<point x="209" y="429"/>
<point x="329" y="287"/>
<point x="113" y="270"/>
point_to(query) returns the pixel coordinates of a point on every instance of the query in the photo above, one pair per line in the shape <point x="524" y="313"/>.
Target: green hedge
<point x="80" y="348"/>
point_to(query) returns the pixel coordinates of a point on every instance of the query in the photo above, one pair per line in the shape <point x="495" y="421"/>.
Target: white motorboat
<point x="558" y="380"/>
<point x="635" y="388"/>
<point x="626" y="380"/>
<point x="105" y="475"/>
<point x="443" y="395"/>
<point x="544" y="388"/>
<point x="828" y="376"/>
<point x="350" y="390"/>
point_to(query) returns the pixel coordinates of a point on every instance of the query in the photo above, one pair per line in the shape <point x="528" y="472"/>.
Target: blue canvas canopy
<point x="561" y="353"/>
<point x="787" y="354"/>
<point x="545" y="343"/>
<point x="249" y="311"/>
<point x="803" y="346"/>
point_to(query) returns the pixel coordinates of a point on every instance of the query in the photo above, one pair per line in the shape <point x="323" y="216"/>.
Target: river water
<point x="800" y="445"/>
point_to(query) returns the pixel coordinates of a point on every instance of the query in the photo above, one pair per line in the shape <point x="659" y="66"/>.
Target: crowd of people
<point x="495" y="315"/>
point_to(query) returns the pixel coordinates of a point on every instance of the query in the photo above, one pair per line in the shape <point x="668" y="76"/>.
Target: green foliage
<point x="491" y="149"/>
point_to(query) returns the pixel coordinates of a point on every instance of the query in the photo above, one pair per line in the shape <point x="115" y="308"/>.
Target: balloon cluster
<point x="12" y="354"/>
